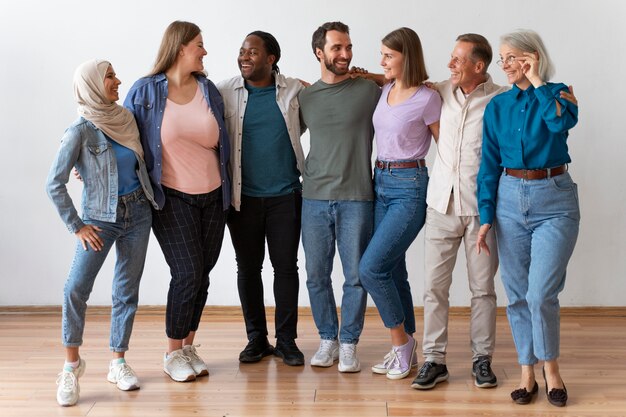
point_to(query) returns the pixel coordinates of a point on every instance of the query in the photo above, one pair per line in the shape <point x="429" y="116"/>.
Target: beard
<point x="330" y="66"/>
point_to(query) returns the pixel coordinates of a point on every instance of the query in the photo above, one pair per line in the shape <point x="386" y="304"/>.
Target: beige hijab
<point x="114" y="120"/>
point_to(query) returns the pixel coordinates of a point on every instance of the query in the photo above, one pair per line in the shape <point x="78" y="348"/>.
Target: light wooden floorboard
<point x="593" y="361"/>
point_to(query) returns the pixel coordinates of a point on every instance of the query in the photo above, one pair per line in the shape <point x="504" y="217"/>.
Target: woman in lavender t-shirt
<point x="406" y="117"/>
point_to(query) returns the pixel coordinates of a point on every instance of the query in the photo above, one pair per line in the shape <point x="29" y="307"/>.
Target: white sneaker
<point x="68" y="390"/>
<point x="123" y="376"/>
<point x="348" y="360"/>
<point x="196" y="362"/>
<point x="177" y="366"/>
<point x="327" y="354"/>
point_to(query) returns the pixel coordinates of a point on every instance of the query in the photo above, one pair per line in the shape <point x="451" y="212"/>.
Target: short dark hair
<point x="319" y="36"/>
<point x="406" y="41"/>
<point x="271" y="46"/>
<point x="481" y="51"/>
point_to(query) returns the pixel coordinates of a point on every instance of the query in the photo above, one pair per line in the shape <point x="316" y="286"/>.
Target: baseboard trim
<point x="229" y="311"/>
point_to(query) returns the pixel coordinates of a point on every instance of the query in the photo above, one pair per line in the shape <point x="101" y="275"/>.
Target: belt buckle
<point x="525" y="174"/>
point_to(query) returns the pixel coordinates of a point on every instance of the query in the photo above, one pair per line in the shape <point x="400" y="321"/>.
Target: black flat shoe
<point x="557" y="396"/>
<point x="522" y="396"/>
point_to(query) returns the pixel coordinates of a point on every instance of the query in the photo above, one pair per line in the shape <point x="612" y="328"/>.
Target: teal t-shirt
<point x="339" y="118"/>
<point x="268" y="162"/>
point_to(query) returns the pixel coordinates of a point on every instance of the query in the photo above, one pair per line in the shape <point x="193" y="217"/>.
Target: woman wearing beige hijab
<point x="103" y="144"/>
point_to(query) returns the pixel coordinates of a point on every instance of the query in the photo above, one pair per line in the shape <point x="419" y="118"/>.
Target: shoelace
<point x="425" y="369"/>
<point x="192" y="353"/>
<point x="483" y="368"/>
<point x="348" y="349"/>
<point x="394" y="358"/>
<point x="182" y="358"/>
<point x="124" y="371"/>
<point x="67" y="380"/>
<point x="325" y="347"/>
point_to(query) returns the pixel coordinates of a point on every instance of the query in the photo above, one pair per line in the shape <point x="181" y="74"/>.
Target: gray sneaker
<point x="327" y="354"/>
<point x="481" y="370"/>
<point x="348" y="360"/>
<point x="429" y="375"/>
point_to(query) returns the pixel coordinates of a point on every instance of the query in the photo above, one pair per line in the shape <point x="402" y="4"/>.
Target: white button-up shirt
<point x="235" y="98"/>
<point x="459" y="147"/>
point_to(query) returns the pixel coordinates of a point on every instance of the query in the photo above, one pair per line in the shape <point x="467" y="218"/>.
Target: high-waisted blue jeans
<point x="536" y="228"/>
<point x="399" y="215"/>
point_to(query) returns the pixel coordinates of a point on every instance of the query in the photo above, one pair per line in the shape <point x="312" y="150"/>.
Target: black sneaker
<point x="255" y="350"/>
<point x="288" y="350"/>
<point x="429" y="375"/>
<point x="481" y="369"/>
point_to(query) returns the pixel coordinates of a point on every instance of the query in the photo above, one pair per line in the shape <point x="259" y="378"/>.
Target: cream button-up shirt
<point x="459" y="147"/>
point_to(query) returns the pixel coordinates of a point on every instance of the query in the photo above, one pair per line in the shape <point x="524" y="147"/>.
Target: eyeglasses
<point x="508" y="61"/>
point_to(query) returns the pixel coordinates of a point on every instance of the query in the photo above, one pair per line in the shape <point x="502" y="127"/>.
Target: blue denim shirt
<point x="87" y="148"/>
<point x="146" y="100"/>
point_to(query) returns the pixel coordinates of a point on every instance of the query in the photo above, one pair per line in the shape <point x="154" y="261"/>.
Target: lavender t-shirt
<point x="402" y="131"/>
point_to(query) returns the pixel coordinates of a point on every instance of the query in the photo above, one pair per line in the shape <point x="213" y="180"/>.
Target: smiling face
<point x="512" y="67"/>
<point x="254" y="62"/>
<point x="392" y="63"/>
<point x="191" y="55"/>
<point x="463" y="72"/>
<point x="337" y="52"/>
<point x="111" y="84"/>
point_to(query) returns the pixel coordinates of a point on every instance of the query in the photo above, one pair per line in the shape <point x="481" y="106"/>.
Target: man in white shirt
<point x="452" y="216"/>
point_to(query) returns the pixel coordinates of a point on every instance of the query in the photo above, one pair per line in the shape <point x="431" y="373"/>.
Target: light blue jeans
<point x="536" y="229"/>
<point x="130" y="233"/>
<point x="348" y="224"/>
<point x="399" y="215"/>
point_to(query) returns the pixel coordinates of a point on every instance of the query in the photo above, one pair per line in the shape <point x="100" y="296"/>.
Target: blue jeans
<point x="399" y="215"/>
<point x="349" y="225"/>
<point x="536" y="229"/>
<point x="130" y="233"/>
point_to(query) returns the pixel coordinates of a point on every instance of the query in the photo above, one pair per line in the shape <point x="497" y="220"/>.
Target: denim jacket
<point x="85" y="147"/>
<point x="235" y="98"/>
<point x="146" y="100"/>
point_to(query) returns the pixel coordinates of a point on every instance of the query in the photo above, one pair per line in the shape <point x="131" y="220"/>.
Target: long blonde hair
<point x="177" y="34"/>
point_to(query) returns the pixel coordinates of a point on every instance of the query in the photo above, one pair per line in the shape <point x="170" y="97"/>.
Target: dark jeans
<point x="190" y="230"/>
<point x="276" y="219"/>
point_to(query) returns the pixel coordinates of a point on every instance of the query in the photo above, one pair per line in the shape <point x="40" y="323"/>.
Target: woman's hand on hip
<point x="88" y="234"/>
<point x="481" y="241"/>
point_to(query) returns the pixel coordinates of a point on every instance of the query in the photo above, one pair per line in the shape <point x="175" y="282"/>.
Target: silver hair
<point x="529" y="41"/>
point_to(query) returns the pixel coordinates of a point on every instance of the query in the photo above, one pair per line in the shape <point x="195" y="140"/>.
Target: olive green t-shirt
<point x="339" y="119"/>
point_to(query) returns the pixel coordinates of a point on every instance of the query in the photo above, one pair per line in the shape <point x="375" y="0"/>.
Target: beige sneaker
<point x="196" y="362"/>
<point x="177" y="366"/>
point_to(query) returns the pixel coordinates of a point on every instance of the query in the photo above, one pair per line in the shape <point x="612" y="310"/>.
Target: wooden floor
<point x="593" y="366"/>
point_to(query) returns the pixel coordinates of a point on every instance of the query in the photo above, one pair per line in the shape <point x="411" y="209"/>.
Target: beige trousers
<point x="443" y="234"/>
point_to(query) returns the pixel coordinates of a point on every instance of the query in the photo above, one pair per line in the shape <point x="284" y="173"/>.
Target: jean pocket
<point x="404" y="174"/>
<point x="563" y="183"/>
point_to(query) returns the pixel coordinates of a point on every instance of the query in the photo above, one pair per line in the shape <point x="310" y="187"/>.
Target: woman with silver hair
<point x="103" y="144"/>
<point x="524" y="187"/>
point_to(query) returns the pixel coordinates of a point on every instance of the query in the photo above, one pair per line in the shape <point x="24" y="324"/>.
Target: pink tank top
<point x="189" y="137"/>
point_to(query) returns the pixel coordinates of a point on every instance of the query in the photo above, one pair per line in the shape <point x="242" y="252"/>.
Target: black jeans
<point x="276" y="219"/>
<point x="190" y="230"/>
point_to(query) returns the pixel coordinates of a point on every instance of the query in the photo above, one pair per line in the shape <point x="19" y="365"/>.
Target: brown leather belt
<point x="420" y="163"/>
<point x="536" y="174"/>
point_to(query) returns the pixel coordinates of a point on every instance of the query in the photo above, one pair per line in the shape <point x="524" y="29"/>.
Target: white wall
<point x="42" y="41"/>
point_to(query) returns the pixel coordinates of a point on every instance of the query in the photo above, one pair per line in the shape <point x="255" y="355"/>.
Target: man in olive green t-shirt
<point x="337" y="193"/>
